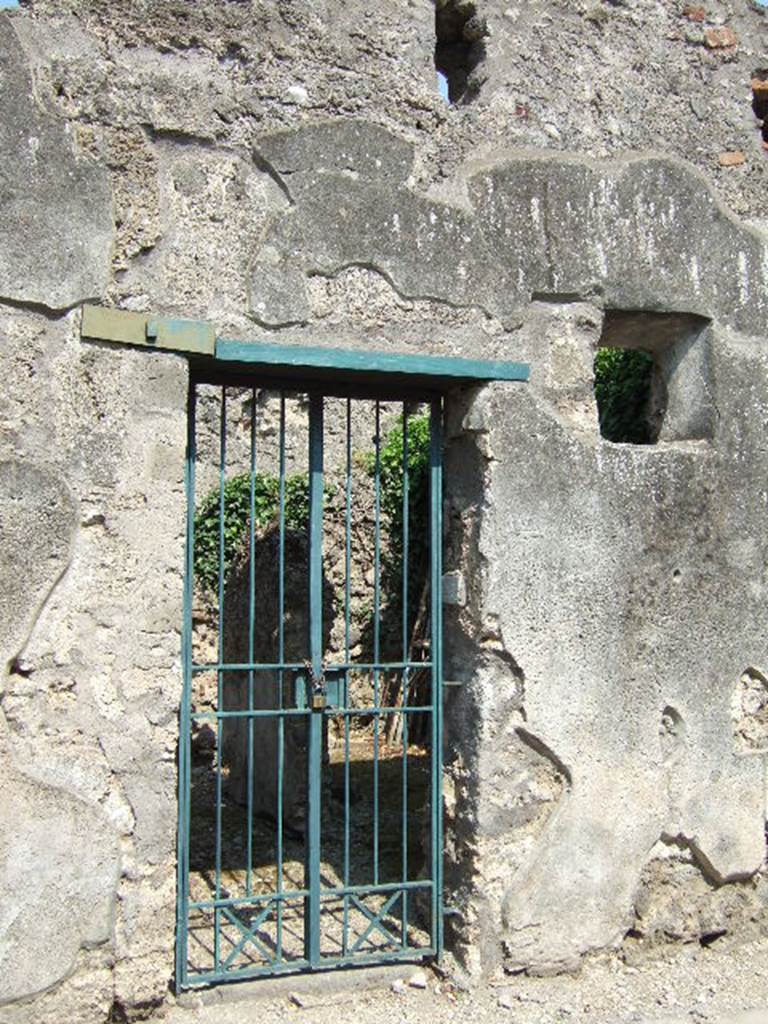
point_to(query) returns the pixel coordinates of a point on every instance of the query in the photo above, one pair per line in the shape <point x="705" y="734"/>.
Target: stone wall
<point x="288" y="170"/>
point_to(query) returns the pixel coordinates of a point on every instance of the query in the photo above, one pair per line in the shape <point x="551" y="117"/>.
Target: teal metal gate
<point x="310" y="831"/>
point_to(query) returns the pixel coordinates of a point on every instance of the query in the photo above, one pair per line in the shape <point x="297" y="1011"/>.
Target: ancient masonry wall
<point x="289" y="171"/>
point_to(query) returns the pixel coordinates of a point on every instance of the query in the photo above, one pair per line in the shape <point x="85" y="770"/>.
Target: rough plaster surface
<point x="91" y="681"/>
<point x="646" y="233"/>
<point x="653" y="619"/>
<point x="56" y="231"/>
<point x="288" y="169"/>
<point x="37" y="514"/>
<point x="74" y="896"/>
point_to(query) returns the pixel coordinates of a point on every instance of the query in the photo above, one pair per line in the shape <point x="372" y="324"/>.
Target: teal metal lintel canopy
<point x="342" y="368"/>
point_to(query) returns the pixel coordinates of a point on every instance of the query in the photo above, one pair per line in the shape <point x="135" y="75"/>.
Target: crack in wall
<point x="263" y="164"/>
<point x="51" y="313"/>
<point x="406" y="296"/>
<point x="541" y="748"/>
<point x="28" y="625"/>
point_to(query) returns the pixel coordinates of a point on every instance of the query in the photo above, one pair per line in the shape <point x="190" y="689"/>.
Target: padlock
<point x="319" y="701"/>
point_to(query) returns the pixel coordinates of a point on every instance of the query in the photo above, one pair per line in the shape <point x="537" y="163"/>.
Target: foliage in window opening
<point x="623" y="390"/>
<point x="237" y="511"/>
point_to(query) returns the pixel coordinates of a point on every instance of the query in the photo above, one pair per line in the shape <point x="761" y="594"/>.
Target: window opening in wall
<point x="760" y="101"/>
<point x="653" y="378"/>
<point x="623" y="386"/>
<point x="460" y="33"/>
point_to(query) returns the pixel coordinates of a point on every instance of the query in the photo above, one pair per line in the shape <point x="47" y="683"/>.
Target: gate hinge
<point x="126" y="328"/>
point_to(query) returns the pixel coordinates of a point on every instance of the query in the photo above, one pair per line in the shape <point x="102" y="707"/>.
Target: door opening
<point x="310" y="809"/>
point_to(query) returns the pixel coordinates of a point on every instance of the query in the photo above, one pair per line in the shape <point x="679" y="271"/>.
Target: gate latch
<point x="317" y="688"/>
<point x="321" y="691"/>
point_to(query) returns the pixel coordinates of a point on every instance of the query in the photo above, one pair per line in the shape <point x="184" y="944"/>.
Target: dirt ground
<point x="722" y="984"/>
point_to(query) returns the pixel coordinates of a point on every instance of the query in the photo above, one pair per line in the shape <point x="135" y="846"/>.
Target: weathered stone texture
<point x="90" y="647"/>
<point x="288" y="170"/>
<point x="649" y="622"/>
<point x="676" y="902"/>
<point x="592" y="77"/>
<point x="645" y="233"/>
<point x="56" y="226"/>
<point x="38" y="517"/>
<point x="84" y="995"/>
<point x="68" y="902"/>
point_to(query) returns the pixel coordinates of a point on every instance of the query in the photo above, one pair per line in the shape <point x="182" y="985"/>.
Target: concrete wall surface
<point x="288" y="170"/>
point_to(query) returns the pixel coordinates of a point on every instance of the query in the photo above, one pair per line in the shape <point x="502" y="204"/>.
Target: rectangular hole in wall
<point x="652" y="378"/>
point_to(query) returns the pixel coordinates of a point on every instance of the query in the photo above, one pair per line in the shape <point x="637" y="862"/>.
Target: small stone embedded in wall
<point x="732" y="158"/>
<point x="749" y="711"/>
<point x="720" y="38"/>
<point x="297" y="94"/>
<point x="454" y="589"/>
<point x="694" y="12"/>
<point x="699" y="106"/>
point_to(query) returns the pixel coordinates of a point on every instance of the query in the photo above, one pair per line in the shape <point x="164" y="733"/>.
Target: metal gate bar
<point x="436" y="575"/>
<point x="376" y="634"/>
<point x="314" y="754"/>
<point x="219" y="676"/>
<point x="281" y="659"/>
<point x="406" y="651"/>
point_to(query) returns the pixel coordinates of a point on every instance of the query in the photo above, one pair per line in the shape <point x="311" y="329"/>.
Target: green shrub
<point x="237" y="510"/>
<point x="622" y="390"/>
<point x="391" y="476"/>
<point x="391" y="491"/>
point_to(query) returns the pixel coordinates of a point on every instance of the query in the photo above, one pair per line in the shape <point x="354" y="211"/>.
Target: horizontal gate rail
<point x="295" y="894"/>
<point x="371" y="666"/>
<point x="305" y="712"/>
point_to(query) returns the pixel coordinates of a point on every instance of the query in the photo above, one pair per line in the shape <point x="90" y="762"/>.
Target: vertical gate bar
<point x="345" y="932"/>
<point x="251" y="638"/>
<point x="348" y="533"/>
<point x="185" y="768"/>
<point x="314" y="746"/>
<point x="280" y="674"/>
<point x="347" y="603"/>
<point x="404" y="936"/>
<point x="280" y="759"/>
<point x="406" y="495"/>
<point x="219" y="676"/>
<point x="376" y="642"/>
<point x="404" y="681"/>
<point x="436" y="610"/>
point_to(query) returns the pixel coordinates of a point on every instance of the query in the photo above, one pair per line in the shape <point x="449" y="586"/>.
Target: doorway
<point x="310" y="810"/>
